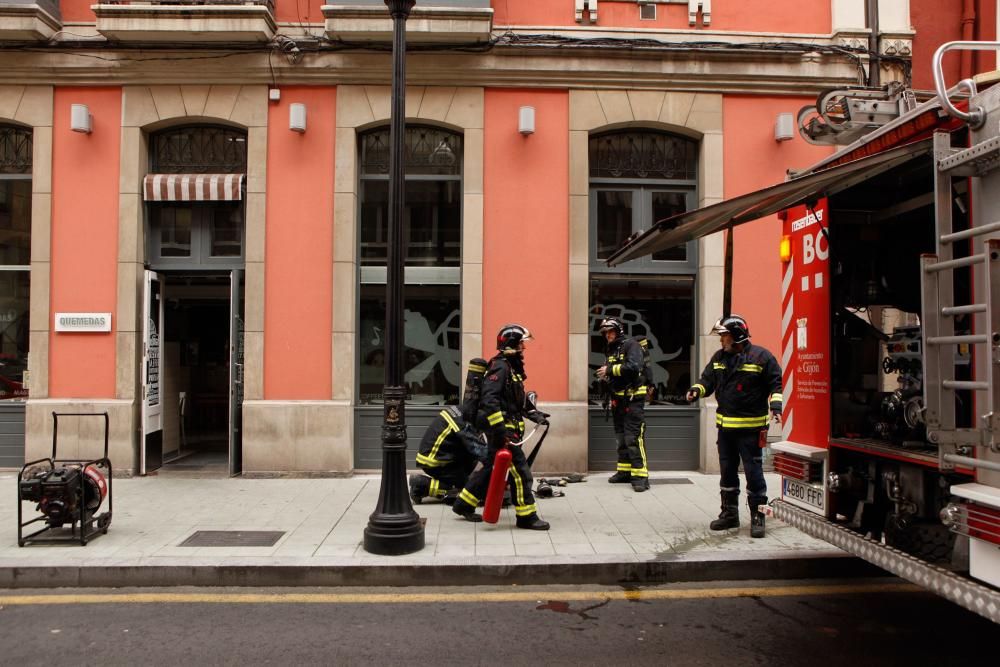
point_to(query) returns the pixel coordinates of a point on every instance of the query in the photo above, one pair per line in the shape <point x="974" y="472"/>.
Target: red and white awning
<point x="193" y="187"/>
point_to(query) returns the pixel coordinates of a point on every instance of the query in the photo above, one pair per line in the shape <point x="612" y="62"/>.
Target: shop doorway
<point x="193" y="373"/>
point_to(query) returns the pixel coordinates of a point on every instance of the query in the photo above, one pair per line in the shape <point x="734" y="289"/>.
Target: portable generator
<point x="66" y="492"/>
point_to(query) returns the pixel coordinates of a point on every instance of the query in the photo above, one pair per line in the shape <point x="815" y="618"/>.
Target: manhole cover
<point x="233" y="538"/>
<point x="670" y="480"/>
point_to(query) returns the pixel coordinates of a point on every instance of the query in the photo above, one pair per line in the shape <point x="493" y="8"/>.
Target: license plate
<point x="800" y="492"/>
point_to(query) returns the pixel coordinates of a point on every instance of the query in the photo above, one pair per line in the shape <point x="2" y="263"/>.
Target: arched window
<point x="637" y="178"/>
<point x="432" y="237"/>
<point x="194" y="197"/>
<point x="15" y="258"/>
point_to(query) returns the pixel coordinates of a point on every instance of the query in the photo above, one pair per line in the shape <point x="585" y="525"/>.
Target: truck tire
<point x="931" y="542"/>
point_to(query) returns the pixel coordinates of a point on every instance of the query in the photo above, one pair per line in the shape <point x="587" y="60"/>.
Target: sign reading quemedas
<point x="83" y="322"/>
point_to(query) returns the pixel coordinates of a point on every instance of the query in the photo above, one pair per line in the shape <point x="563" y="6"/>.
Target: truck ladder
<point x="939" y="310"/>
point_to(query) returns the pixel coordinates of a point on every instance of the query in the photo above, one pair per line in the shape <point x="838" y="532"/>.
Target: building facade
<point x="195" y="200"/>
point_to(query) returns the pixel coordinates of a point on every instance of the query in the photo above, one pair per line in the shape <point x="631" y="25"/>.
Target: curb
<point x="513" y="571"/>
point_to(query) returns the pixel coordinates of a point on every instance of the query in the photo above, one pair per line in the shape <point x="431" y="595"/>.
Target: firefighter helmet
<point x="612" y="324"/>
<point x="510" y="335"/>
<point x="735" y="326"/>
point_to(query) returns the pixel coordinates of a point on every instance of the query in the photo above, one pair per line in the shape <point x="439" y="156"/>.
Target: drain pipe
<point x="968" y="34"/>
<point x="874" y="76"/>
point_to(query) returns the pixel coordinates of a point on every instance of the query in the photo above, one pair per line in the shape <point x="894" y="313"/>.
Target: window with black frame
<point x="15" y="258"/>
<point x="209" y="232"/>
<point x="432" y="224"/>
<point x="638" y="178"/>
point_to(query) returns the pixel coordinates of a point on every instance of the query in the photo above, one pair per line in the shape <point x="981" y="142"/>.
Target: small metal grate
<point x="670" y="480"/>
<point x="233" y="538"/>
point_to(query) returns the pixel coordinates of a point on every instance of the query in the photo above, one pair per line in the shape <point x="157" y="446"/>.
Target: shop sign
<point x="83" y="322"/>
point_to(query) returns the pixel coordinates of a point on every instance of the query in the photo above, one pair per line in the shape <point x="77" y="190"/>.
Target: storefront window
<point x="432" y="223"/>
<point x="660" y="310"/>
<point x="15" y="259"/>
<point x="637" y="179"/>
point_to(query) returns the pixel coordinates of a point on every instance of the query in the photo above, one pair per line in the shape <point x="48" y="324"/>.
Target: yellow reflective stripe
<point x="477" y="368"/>
<point x="719" y="367"/>
<point x="700" y="388"/>
<point x="624" y="467"/>
<point x="518" y="485"/>
<point x="637" y="391"/>
<point x="435" y="489"/>
<point x="467" y="497"/>
<point x="495" y="418"/>
<point x="643" y="471"/>
<point x="616" y="370"/>
<point x="740" y="422"/>
<point x="525" y="510"/>
<point x="775" y="397"/>
<point x="620" y="393"/>
<point x="428" y="461"/>
<point x="451" y="422"/>
<point x="752" y="368"/>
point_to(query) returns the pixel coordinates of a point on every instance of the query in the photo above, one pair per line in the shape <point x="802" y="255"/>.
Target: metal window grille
<point x="15" y="149"/>
<point x="643" y="154"/>
<point x="426" y="151"/>
<point x="199" y="150"/>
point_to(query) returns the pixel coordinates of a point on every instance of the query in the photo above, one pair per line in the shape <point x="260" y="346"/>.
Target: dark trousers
<point x="736" y="444"/>
<point x="630" y="432"/>
<point x="451" y="476"/>
<point x="518" y="478"/>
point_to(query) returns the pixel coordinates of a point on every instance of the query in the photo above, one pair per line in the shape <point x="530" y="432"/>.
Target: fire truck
<point x="890" y="330"/>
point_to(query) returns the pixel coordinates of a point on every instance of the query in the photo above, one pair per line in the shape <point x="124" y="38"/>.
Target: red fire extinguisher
<point x="498" y="483"/>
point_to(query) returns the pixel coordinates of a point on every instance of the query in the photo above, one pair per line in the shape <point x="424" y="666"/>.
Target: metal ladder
<point x="979" y="163"/>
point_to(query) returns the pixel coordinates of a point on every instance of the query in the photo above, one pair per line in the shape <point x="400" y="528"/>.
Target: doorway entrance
<point x="194" y="373"/>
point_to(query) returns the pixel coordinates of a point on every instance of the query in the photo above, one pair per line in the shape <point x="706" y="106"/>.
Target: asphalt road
<point x="871" y="622"/>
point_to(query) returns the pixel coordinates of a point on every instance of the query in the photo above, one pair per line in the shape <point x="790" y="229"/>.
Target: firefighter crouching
<point x="624" y="371"/>
<point x="452" y="445"/>
<point x="502" y="412"/>
<point x="746" y="380"/>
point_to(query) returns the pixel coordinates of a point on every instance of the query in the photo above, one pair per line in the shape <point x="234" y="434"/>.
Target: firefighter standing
<point x="451" y="445"/>
<point x="746" y="380"/>
<point x="501" y="412"/>
<point x="624" y="371"/>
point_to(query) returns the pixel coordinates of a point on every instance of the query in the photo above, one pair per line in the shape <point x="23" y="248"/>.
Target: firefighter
<point x="746" y="380"/>
<point x="501" y="413"/>
<point x="624" y="371"/>
<point x="452" y="445"/>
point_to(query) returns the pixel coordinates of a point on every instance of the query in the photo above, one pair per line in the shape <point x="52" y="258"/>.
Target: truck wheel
<point x="927" y="541"/>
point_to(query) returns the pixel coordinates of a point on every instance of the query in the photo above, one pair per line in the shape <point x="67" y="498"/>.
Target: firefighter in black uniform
<point x="501" y="413"/>
<point x="746" y="380"/>
<point x="624" y="373"/>
<point x="451" y="445"/>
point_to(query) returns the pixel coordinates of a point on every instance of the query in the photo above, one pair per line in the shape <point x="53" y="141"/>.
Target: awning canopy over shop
<point x="679" y="229"/>
<point x="193" y="187"/>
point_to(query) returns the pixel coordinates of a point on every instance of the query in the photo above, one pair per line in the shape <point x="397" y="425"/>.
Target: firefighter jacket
<point x="448" y="439"/>
<point x="501" y="404"/>
<point x="625" y="368"/>
<point x="747" y="384"/>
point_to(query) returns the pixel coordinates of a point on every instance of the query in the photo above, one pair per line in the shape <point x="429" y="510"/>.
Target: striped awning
<point x="193" y="187"/>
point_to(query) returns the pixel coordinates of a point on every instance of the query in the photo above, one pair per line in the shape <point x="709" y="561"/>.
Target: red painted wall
<point x="84" y="247"/>
<point x="753" y="160"/>
<point x="938" y="22"/>
<point x="300" y="11"/>
<point x="77" y="10"/>
<point x="526" y="232"/>
<point x="747" y="15"/>
<point x="298" y="287"/>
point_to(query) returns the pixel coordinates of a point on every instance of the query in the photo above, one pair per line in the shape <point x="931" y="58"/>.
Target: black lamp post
<point x="394" y="528"/>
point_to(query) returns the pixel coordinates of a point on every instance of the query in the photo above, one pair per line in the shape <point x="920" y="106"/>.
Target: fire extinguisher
<point x="498" y="483"/>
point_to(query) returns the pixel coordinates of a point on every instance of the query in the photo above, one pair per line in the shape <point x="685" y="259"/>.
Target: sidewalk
<point x="601" y="533"/>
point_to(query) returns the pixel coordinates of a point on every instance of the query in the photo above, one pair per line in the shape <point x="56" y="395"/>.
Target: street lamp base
<point x="394" y="534"/>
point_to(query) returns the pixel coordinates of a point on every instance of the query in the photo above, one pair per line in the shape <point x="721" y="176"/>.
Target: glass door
<point x="236" y="372"/>
<point x="151" y="451"/>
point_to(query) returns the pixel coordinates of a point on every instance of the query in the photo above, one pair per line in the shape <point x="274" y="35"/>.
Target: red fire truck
<point x="890" y="254"/>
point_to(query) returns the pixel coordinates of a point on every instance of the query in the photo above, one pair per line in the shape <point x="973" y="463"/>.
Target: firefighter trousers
<point x="452" y="475"/>
<point x="630" y="435"/>
<point x="736" y="444"/>
<point x="518" y="479"/>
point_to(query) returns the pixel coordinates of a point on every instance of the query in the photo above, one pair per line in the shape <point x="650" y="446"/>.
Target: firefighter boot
<point x="640" y="484"/>
<point x="622" y="476"/>
<point x="420" y="488"/>
<point x="466" y="511"/>
<point x="756" y="516"/>
<point x="729" y="517"/>
<point x="532" y="522"/>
